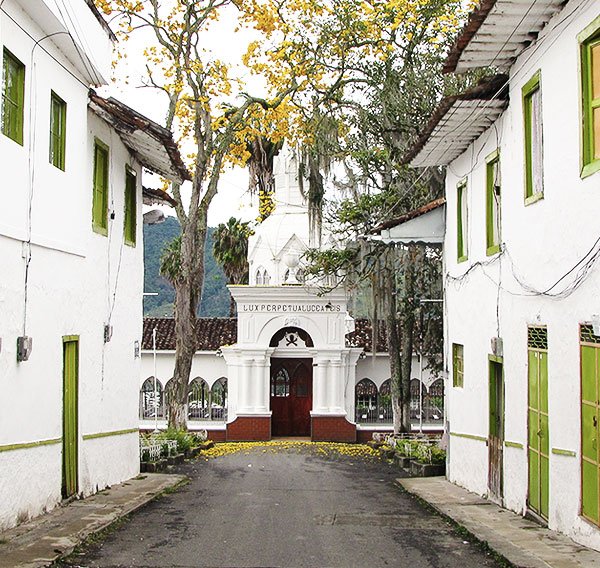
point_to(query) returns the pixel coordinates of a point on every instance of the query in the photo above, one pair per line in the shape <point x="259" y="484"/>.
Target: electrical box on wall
<point x="497" y="347"/>
<point x="24" y="347"/>
<point x="108" y="329"/>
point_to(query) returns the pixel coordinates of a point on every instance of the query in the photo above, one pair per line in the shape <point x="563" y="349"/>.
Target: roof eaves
<point x="498" y="31"/>
<point x="157" y="196"/>
<point x="489" y="89"/>
<point x="431" y="206"/>
<point x="101" y="20"/>
<point x="476" y="19"/>
<point x="127" y="120"/>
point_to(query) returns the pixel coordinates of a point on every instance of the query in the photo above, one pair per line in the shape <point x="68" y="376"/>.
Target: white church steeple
<point x="276" y="248"/>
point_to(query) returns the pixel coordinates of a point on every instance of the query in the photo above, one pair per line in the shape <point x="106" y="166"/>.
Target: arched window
<point x="219" y="399"/>
<point x="151" y="400"/>
<point x="198" y="400"/>
<point x="266" y="278"/>
<point x="415" y="401"/>
<point x="280" y="384"/>
<point x="384" y="402"/>
<point x="365" y="401"/>
<point x="300" y="276"/>
<point x="259" y="278"/>
<point x="433" y="407"/>
<point x="330" y="281"/>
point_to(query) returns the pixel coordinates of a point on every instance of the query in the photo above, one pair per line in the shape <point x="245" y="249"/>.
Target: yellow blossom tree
<point x="310" y="56"/>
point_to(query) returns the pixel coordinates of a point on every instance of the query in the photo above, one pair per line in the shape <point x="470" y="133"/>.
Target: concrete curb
<point x="45" y="539"/>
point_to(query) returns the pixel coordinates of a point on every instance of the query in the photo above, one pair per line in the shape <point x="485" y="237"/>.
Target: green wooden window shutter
<point x="590" y="83"/>
<point x="100" y="196"/>
<point x="58" y="131"/>
<point x="130" y="223"/>
<point x="461" y="221"/>
<point x="493" y="203"/>
<point x="532" y="119"/>
<point x="13" y="97"/>
<point x="458" y="377"/>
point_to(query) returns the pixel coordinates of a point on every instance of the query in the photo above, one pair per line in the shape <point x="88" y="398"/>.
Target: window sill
<point x="590" y="168"/>
<point x="17" y="140"/>
<point x="462" y="259"/>
<point x="490" y="251"/>
<point x="534" y="198"/>
<point x="100" y="230"/>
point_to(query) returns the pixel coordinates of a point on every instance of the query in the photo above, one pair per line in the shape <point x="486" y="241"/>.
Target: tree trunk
<point x="393" y="340"/>
<point x="188" y="290"/>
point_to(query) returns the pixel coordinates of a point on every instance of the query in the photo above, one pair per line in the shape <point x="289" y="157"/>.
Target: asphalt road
<point x="289" y="510"/>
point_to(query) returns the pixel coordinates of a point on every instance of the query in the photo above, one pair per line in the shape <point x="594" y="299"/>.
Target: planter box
<point x="387" y="454"/>
<point x="402" y="461"/>
<point x="427" y="469"/>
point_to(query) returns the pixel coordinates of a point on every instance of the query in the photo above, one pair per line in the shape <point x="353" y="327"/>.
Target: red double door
<point x="291" y="396"/>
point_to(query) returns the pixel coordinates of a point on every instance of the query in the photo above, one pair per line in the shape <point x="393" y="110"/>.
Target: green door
<point x="496" y="430"/>
<point x="590" y="403"/>
<point x="70" y="429"/>
<point x="537" y="417"/>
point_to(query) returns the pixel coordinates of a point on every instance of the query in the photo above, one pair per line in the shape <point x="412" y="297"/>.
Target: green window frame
<point x="58" y="130"/>
<point x="458" y="365"/>
<point x="534" y="146"/>
<point x="130" y="217"/>
<point x="100" y="189"/>
<point x="462" y="222"/>
<point x="13" y="97"/>
<point x="589" y="41"/>
<point x="493" y="184"/>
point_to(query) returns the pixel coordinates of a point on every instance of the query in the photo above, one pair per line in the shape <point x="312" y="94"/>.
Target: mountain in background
<point x="215" y="298"/>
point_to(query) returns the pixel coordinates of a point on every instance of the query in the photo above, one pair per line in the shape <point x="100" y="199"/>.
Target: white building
<point x="522" y="152"/>
<point x="293" y="363"/>
<point x="71" y="243"/>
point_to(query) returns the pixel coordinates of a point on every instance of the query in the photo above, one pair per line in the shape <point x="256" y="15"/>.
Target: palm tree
<point x="230" y="248"/>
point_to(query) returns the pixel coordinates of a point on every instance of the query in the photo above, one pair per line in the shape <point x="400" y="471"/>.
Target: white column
<point x="334" y="386"/>
<point x="245" y="393"/>
<point x="258" y="385"/>
<point x="320" y="386"/>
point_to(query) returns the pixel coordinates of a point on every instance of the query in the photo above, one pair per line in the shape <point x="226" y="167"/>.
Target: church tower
<point x="276" y="248"/>
<point x="290" y="372"/>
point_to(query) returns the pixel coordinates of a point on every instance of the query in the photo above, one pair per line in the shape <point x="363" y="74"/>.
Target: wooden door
<point x="590" y="417"/>
<point x="291" y="396"/>
<point x="496" y="431"/>
<point x="70" y="415"/>
<point x="538" y="446"/>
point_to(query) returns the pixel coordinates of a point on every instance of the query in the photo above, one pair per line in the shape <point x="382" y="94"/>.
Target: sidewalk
<point x="42" y="540"/>
<point x="522" y="542"/>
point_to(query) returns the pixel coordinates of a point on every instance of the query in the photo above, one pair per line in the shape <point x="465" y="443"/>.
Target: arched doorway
<point x="291" y="396"/>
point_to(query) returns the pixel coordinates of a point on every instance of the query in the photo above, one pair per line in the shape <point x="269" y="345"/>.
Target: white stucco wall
<point x="77" y="281"/>
<point x="541" y="243"/>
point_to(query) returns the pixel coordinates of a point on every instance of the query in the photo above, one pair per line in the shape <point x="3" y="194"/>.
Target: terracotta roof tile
<point x="216" y="332"/>
<point x="410" y="215"/>
<point x="212" y="333"/>
<point x="362" y="334"/>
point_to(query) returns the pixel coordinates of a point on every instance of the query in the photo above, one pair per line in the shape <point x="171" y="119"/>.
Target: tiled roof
<point x="498" y="31"/>
<point x="148" y="141"/>
<point x="410" y="215"/>
<point x="212" y="333"/>
<point x="362" y="334"/>
<point x="457" y="121"/>
<point x="157" y="197"/>
<point x="217" y="332"/>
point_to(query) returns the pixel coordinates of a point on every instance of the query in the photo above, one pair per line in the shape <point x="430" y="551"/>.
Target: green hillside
<point x="215" y="299"/>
